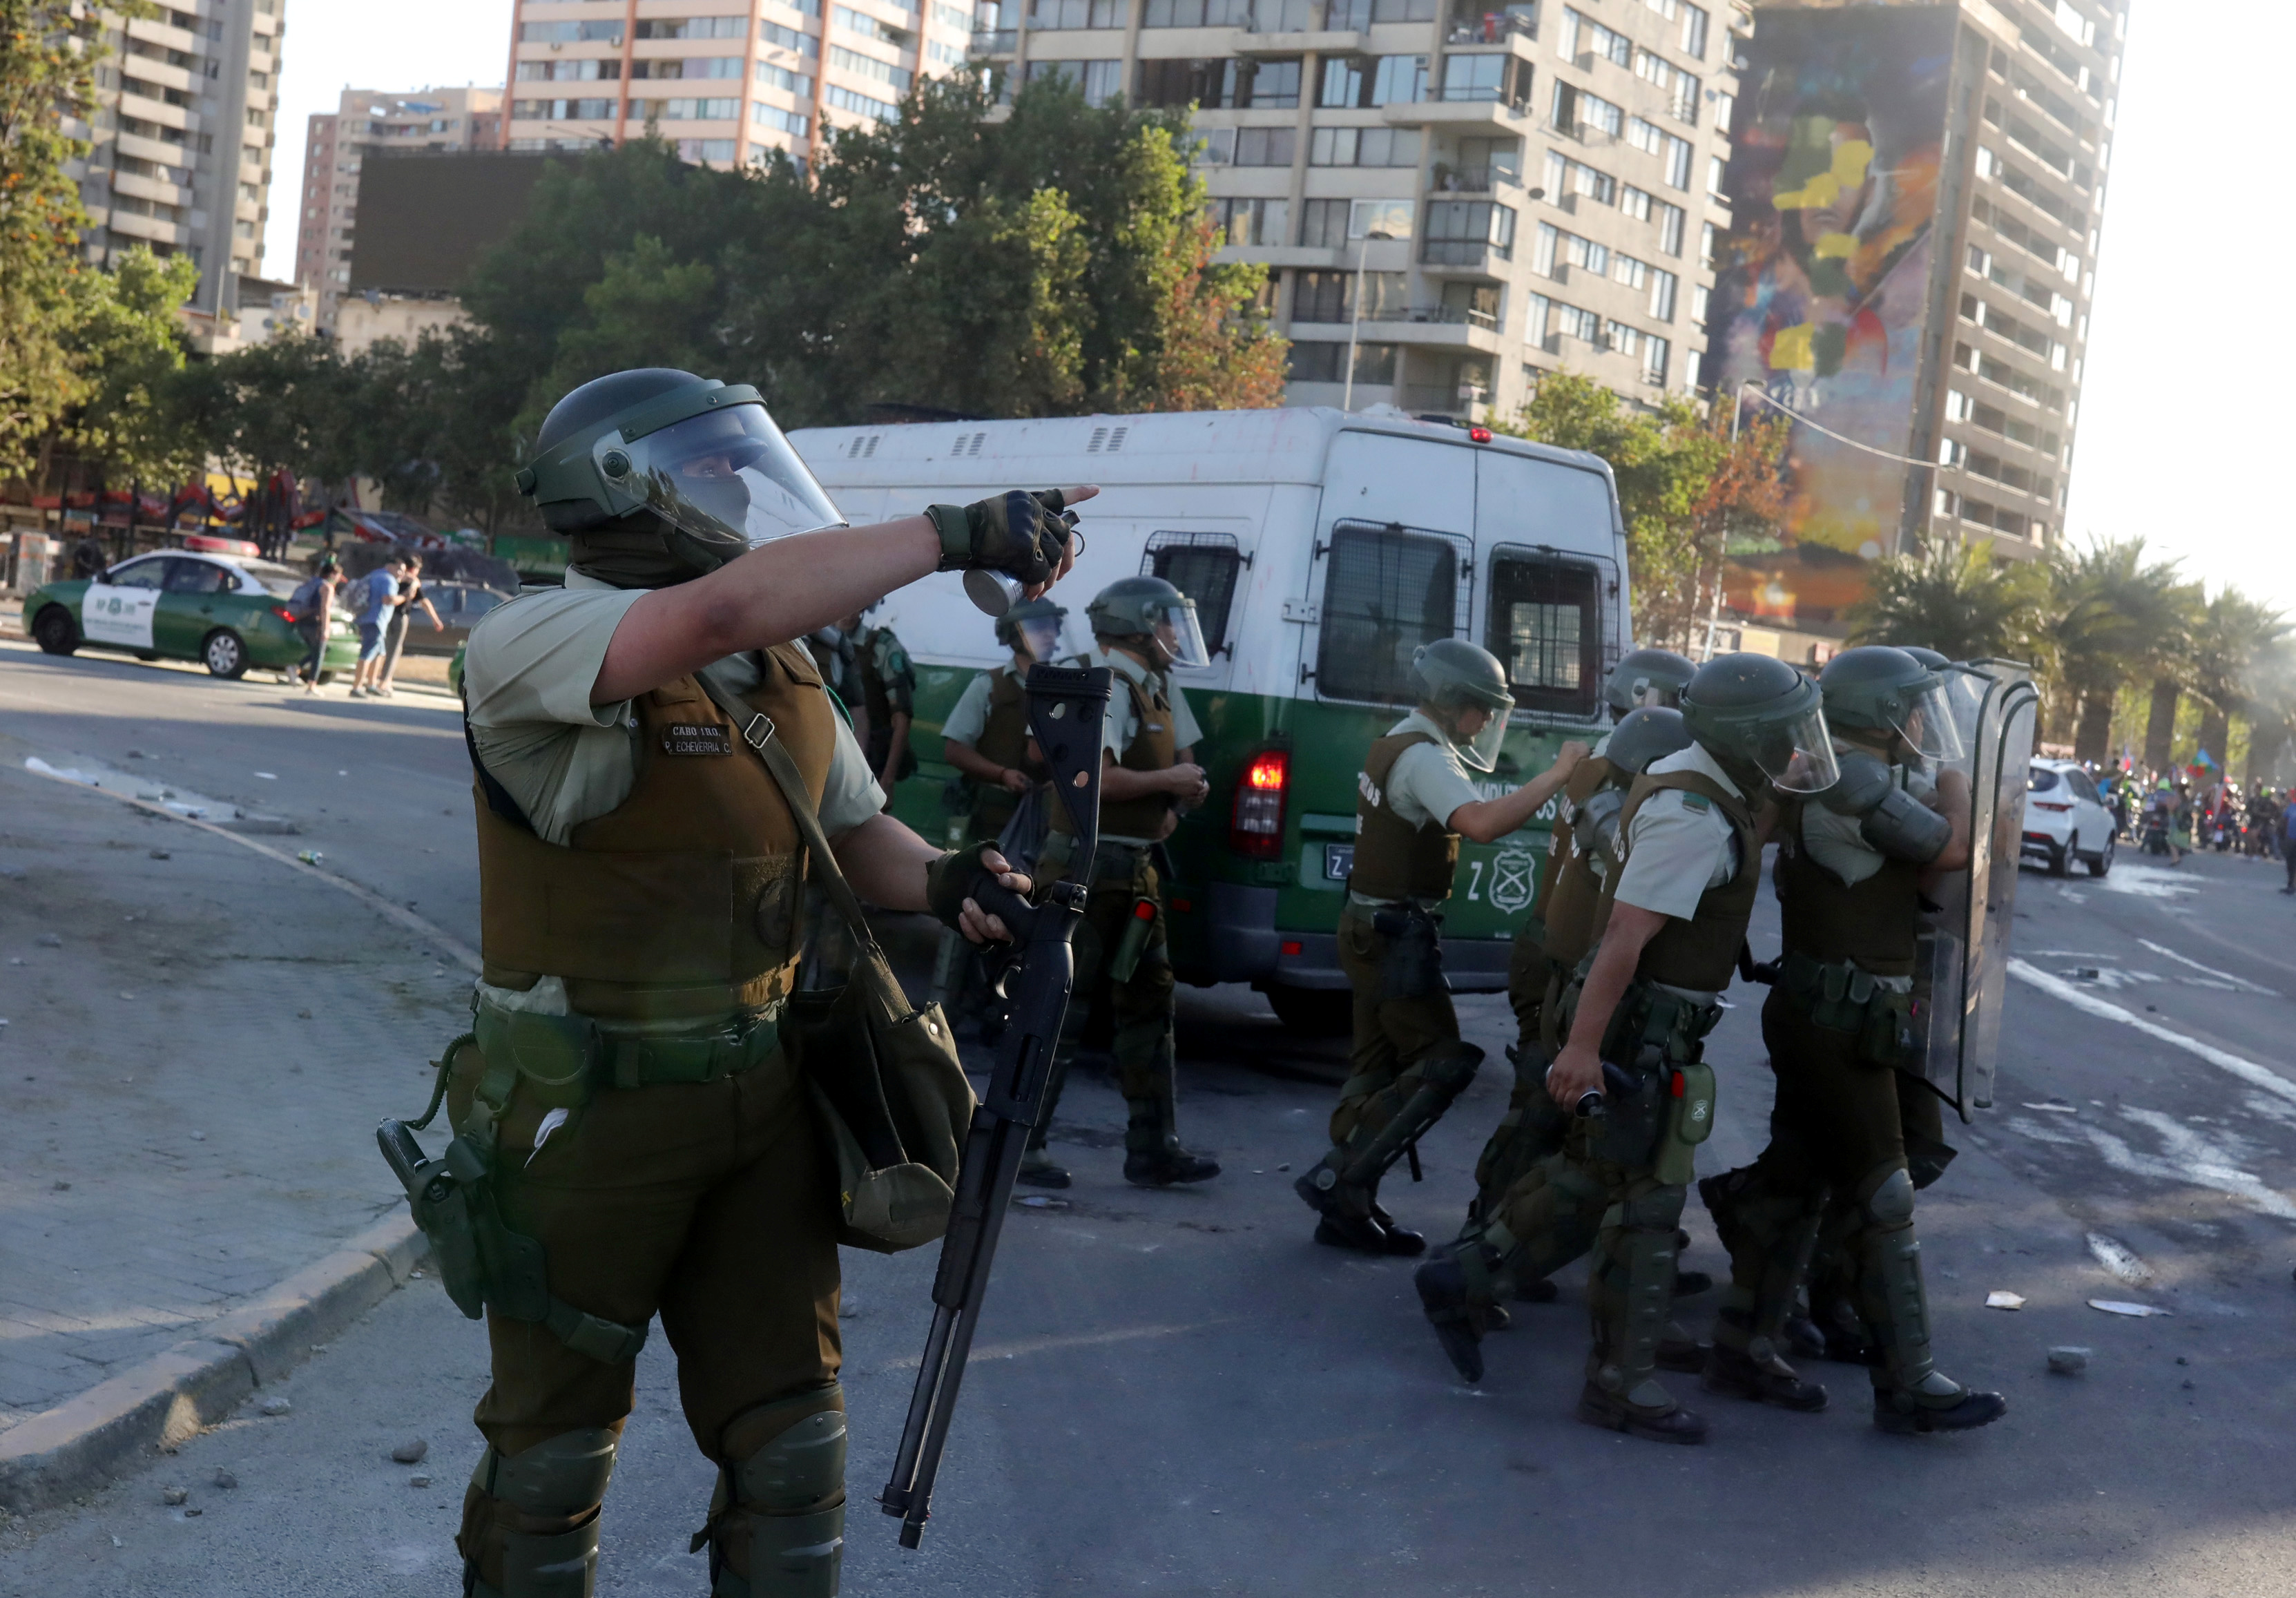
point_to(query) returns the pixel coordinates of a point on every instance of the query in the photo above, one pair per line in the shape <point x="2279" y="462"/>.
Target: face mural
<point x="1822" y="283"/>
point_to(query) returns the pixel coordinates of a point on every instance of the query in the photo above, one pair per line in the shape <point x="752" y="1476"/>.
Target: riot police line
<point x="653" y="1114"/>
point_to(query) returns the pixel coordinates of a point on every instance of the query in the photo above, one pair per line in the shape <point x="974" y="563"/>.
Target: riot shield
<point x="1964" y="961"/>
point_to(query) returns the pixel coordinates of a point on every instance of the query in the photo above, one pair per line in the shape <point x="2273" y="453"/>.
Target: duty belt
<point x="566" y="1057"/>
<point x="1843" y="996"/>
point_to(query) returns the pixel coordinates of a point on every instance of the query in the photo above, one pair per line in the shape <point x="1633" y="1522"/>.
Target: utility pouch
<point x="887" y="1087"/>
<point x="1634" y="1117"/>
<point x="1413" y="965"/>
<point x="1689" y="1122"/>
<point x="1886" y="1036"/>
<point x="1138" y="926"/>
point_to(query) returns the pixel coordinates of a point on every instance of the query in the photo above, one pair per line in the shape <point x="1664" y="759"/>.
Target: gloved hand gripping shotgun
<point x="1065" y="710"/>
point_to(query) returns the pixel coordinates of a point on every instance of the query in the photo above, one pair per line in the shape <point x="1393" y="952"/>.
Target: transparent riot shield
<point x="1963" y="964"/>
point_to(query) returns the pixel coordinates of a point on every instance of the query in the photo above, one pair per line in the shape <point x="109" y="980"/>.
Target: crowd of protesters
<point x="2176" y="813"/>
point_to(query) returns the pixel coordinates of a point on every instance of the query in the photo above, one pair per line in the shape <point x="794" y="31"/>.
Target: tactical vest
<point x="1004" y="740"/>
<point x="1394" y="859"/>
<point x="1701" y="953"/>
<point x="1154" y="747"/>
<point x="685" y="902"/>
<point x="1568" y="900"/>
<point x="1873" y="923"/>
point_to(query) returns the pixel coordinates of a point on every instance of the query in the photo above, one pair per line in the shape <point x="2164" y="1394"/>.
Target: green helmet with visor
<point x="1150" y="607"/>
<point x="1648" y="676"/>
<point x="694" y="461"/>
<point x="1454" y="679"/>
<point x="1763" y="722"/>
<point x="1032" y="628"/>
<point x="1878" y="689"/>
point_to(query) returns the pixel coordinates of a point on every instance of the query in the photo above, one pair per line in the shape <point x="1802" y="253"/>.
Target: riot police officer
<point x="986" y="736"/>
<point x="888" y="694"/>
<point x="1560" y="928"/>
<point x="1850" y="869"/>
<point x="1142" y="628"/>
<point x="648" y="1144"/>
<point x="1414" y="802"/>
<point x="1669" y="927"/>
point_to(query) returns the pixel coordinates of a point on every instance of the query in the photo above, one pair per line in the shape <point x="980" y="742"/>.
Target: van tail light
<point x="1256" y="825"/>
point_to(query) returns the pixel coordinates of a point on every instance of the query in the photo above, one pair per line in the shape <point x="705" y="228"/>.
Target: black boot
<point x="1400" y="1240"/>
<point x="1902" y="1417"/>
<point x="1738" y="1375"/>
<point x="1153" y="1154"/>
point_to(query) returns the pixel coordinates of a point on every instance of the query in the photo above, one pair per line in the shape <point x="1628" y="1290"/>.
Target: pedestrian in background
<point x="314" y="604"/>
<point x="410" y="594"/>
<point x="376" y="597"/>
<point x="2288" y="839"/>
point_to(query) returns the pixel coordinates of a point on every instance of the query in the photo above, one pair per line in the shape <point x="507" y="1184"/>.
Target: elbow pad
<point x="1863" y="784"/>
<point x="1903" y="828"/>
<point x="1597" y="823"/>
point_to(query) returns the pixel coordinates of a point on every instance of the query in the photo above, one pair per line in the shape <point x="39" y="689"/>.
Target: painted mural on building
<point x="1820" y="281"/>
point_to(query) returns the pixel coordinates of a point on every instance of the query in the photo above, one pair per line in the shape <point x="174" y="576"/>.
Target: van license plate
<point x="1339" y="862"/>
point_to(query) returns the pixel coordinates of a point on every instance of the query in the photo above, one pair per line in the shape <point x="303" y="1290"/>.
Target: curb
<point x="173" y="1396"/>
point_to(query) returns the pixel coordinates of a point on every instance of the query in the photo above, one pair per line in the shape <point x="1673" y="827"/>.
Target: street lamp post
<point x="1355" y="318"/>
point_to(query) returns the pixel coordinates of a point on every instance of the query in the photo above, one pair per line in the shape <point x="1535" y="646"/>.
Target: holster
<point x="1656" y="1040"/>
<point x="1845" y="997"/>
<point x="1413" y="965"/>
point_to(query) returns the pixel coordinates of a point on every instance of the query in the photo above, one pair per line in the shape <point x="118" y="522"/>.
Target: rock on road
<point x="1177" y="1394"/>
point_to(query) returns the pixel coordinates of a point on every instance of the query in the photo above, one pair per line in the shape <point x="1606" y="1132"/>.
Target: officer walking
<point x="1414" y="802"/>
<point x="1852" y="863"/>
<point x="1560" y="930"/>
<point x="889" y="691"/>
<point x="986" y="736"/>
<point x="1671" y="924"/>
<point x="651" y="1145"/>
<point x="1142" y="627"/>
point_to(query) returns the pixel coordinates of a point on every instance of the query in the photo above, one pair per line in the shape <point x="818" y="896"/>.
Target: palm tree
<point x="2109" y="611"/>
<point x="2237" y="635"/>
<point x="1955" y="598"/>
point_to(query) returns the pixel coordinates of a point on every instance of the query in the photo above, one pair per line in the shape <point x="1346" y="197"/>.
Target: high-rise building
<point x="1465" y="194"/>
<point x="1920" y="194"/>
<point x="337" y="143"/>
<point x="750" y="79"/>
<point x="181" y="142"/>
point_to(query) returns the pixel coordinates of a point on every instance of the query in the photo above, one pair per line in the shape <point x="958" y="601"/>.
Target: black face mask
<point x="643" y="551"/>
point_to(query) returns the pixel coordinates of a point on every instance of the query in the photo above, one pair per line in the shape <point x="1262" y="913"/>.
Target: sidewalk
<point x="198" y="1045"/>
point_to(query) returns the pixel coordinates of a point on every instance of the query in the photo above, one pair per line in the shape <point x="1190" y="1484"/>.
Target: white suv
<point x="2064" y="818"/>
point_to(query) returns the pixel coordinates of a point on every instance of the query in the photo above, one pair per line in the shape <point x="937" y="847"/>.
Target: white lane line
<point x="2195" y="1161"/>
<point x="461" y="952"/>
<point x="2222" y="976"/>
<point x="2247" y="1071"/>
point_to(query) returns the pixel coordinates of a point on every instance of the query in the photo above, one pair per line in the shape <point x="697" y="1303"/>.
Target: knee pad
<point x="777" y="1525"/>
<point x="1889" y="1197"/>
<point x="530" y="1519"/>
<point x="1449" y="1067"/>
<point x="1657" y="1210"/>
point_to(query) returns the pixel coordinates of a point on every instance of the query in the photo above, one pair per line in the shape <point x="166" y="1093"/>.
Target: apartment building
<point x="339" y="142"/>
<point x="181" y="143"/>
<point x="1462" y="193"/>
<point x="729" y="82"/>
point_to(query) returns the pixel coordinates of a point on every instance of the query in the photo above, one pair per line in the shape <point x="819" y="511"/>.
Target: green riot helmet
<point x="695" y="466"/>
<point x="1648" y="676"/>
<point x="1032" y="627"/>
<point x="1928" y="657"/>
<point x="1651" y="732"/>
<point x="1150" y="607"/>
<point x="1453" y="677"/>
<point x="1763" y="722"/>
<point x="1879" y="689"/>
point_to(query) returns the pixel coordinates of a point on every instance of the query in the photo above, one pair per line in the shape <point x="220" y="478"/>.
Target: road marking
<point x="2247" y="1071"/>
<point x="463" y="953"/>
<point x="2211" y="971"/>
<point x="2118" y="1258"/>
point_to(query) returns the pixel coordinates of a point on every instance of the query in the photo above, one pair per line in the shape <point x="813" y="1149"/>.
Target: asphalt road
<point x="1177" y="1394"/>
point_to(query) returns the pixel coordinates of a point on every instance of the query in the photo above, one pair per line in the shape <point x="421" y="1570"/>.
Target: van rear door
<point x="1554" y="597"/>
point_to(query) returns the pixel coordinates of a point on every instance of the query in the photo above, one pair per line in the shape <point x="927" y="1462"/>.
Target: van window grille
<point x="1203" y="566"/>
<point x="1546" y="627"/>
<point x="1389" y="589"/>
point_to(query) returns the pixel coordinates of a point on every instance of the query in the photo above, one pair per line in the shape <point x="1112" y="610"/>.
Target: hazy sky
<point x="2183" y="426"/>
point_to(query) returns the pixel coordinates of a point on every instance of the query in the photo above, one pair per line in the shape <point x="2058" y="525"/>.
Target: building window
<point x="1324" y="297"/>
<point x="1480" y="78"/>
<point x="845" y="99"/>
<point x="700" y="152"/>
<point x="780" y="120"/>
<point x="788" y="39"/>
<point x="1537" y="309"/>
<point x="1256" y="222"/>
<point x="684" y="111"/>
<point x="1363" y="147"/>
<point x="895" y="78"/>
<point x="1465" y="233"/>
<point x="1699" y="295"/>
<point x="1708" y="237"/>
<point x="781" y="78"/>
<point x="1714" y="177"/>
<point x="562" y="110"/>
<point x="570" y="33"/>
<point x="567" y="71"/>
<point x="1263" y="146"/>
<point x="1726" y="106"/>
<point x="687" y="28"/>
<point x="1220" y="85"/>
<point x="1677" y="162"/>
<point x="1365" y="82"/>
<point x="1195" y="13"/>
<point x="1694" y="32"/>
<point x="1326" y="361"/>
<point x="1079" y="14"/>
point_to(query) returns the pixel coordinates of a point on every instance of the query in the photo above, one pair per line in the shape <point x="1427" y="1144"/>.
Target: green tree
<point x="1956" y="598"/>
<point x="2236" y="635"/>
<point x="125" y="349"/>
<point x="2110" y="610"/>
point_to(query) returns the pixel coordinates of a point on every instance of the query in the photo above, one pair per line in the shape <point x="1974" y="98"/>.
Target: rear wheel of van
<point x="1313" y="1011"/>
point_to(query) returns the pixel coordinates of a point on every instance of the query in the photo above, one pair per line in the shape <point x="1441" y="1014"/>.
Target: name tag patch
<point x="691" y="738"/>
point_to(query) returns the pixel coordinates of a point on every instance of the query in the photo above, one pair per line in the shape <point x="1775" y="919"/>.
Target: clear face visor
<point x="1928" y="725"/>
<point x="1798" y="755"/>
<point x="1040" y="638"/>
<point x="1180" y="636"/>
<point x="1477" y="733"/>
<point x="1657" y="696"/>
<point x="724" y="475"/>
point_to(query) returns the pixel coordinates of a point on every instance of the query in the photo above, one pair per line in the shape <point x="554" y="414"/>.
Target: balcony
<point x="1469" y="27"/>
<point x="1436" y="327"/>
<point x="1448" y="179"/>
<point x="1466" y="257"/>
<point x="1484" y="116"/>
<point x="1297" y="27"/>
<point x="994" y="42"/>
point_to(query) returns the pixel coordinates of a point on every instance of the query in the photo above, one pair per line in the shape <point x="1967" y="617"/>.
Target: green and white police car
<point x="1321" y="548"/>
<point x="227" y="613"/>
